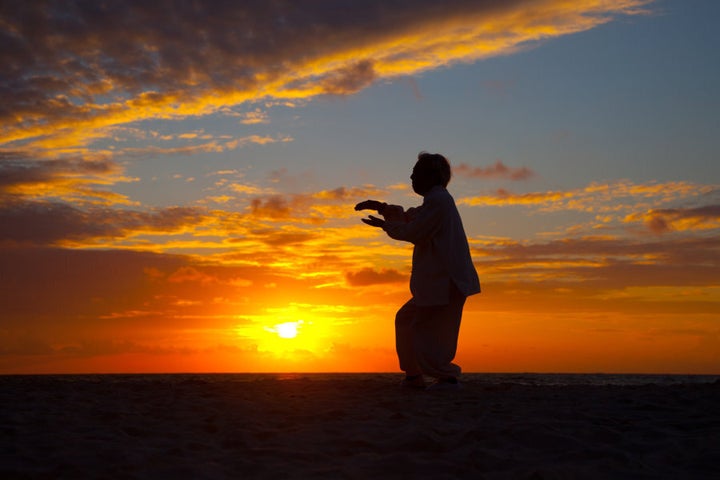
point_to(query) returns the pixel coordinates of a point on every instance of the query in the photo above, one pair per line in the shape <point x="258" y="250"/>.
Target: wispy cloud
<point x="51" y="223"/>
<point x="496" y="170"/>
<point x="312" y="207"/>
<point x="214" y="146"/>
<point x="81" y="179"/>
<point x="591" y="268"/>
<point x="666" y="220"/>
<point x="369" y="276"/>
<point x="606" y="197"/>
<point x="72" y="66"/>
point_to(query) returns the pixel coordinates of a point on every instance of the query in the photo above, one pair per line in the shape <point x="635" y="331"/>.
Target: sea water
<point x="538" y="379"/>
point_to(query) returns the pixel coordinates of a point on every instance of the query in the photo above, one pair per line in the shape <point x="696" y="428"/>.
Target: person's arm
<point x="418" y="224"/>
<point x="411" y="213"/>
<point x="393" y="213"/>
<point x="371" y="205"/>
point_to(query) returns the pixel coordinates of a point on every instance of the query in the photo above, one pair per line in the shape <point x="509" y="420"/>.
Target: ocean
<point x="538" y="379"/>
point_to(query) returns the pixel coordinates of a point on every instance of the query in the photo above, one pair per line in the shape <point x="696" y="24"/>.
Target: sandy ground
<point x="352" y="426"/>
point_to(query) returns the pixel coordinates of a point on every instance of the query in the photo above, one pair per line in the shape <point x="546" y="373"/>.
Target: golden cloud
<point x="115" y="66"/>
<point x="596" y="198"/>
<point x="679" y="219"/>
<point x="77" y="178"/>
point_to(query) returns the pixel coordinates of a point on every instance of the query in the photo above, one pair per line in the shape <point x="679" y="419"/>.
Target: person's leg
<point x="405" y="338"/>
<point x="436" y="336"/>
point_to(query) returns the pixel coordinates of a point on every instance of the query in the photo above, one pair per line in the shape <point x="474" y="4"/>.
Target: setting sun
<point x="286" y="330"/>
<point x="292" y="333"/>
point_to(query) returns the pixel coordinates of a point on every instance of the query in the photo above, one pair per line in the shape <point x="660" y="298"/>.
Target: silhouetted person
<point x="443" y="275"/>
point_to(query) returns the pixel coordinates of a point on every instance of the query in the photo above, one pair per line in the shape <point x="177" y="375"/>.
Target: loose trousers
<point x="426" y="336"/>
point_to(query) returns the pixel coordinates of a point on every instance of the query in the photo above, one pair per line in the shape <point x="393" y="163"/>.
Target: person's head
<point x="430" y="170"/>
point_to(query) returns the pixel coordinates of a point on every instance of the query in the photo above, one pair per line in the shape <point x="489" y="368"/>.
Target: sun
<point x="287" y="329"/>
<point x="294" y="333"/>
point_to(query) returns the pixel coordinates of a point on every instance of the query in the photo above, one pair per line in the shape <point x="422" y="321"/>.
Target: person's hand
<point x="369" y="205"/>
<point x="374" y="221"/>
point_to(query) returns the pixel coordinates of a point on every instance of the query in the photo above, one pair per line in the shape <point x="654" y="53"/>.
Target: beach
<point x="354" y="426"/>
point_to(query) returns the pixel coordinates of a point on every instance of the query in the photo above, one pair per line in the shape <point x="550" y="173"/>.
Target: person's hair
<point x="437" y="166"/>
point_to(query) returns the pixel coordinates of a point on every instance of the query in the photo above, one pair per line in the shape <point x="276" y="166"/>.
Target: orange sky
<point x="176" y="193"/>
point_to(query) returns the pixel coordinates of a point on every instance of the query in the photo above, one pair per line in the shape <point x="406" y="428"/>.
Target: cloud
<point x="602" y="263"/>
<point x="50" y="223"/>
<point x="191" y="274"/>
<point x="15" y="170"/>
<point x="214" y="146"/>
<point x="680" y="219"/>
<point x="308" y="207"/>
<point x="80" y="293"/>
<point x="48" y="285"/>
<point x="74" y="178"/>
<point x="73" y="66"/>
<point x="284" y="237"/>
<point x="368" y="276"/>
<point x="497" y="170"/>
<point x="503" y="197"/>
<point x="275" y="207"/>
<point x="597" y="197"/>
<point x="603" y="248"/>
<point x="41" y="218"/>
<point x="349" y="79"/>
<point x="254" y="117"/>
<point x="346" y="193"/>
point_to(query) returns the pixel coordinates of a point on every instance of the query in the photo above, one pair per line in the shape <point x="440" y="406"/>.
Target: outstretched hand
<point x="374" y="221"/>
<point x="372" y="205"/>
<point x="369" y="205"/>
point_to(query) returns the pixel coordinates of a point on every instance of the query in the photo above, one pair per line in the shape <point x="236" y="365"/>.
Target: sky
<point x="177" y="182"/>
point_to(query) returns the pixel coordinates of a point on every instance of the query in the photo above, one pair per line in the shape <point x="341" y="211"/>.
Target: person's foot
<point x="442" y="384"/>
<point x="413" y="382"/>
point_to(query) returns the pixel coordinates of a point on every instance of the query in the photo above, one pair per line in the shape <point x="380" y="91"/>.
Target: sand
<point x="352" y="426"/>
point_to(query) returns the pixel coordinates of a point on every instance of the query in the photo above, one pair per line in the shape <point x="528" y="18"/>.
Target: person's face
<point x="422" y="180"/>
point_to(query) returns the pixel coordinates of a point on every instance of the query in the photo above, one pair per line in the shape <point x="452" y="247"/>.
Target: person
<point x="443" y="275"/>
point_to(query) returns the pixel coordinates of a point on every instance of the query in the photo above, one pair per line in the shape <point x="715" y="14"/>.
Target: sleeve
<point x="418" y="224"/>
<point x="393" y="213"/>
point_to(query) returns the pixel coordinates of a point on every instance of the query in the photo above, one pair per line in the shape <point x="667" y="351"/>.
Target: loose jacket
<point x="441" y="254"/>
